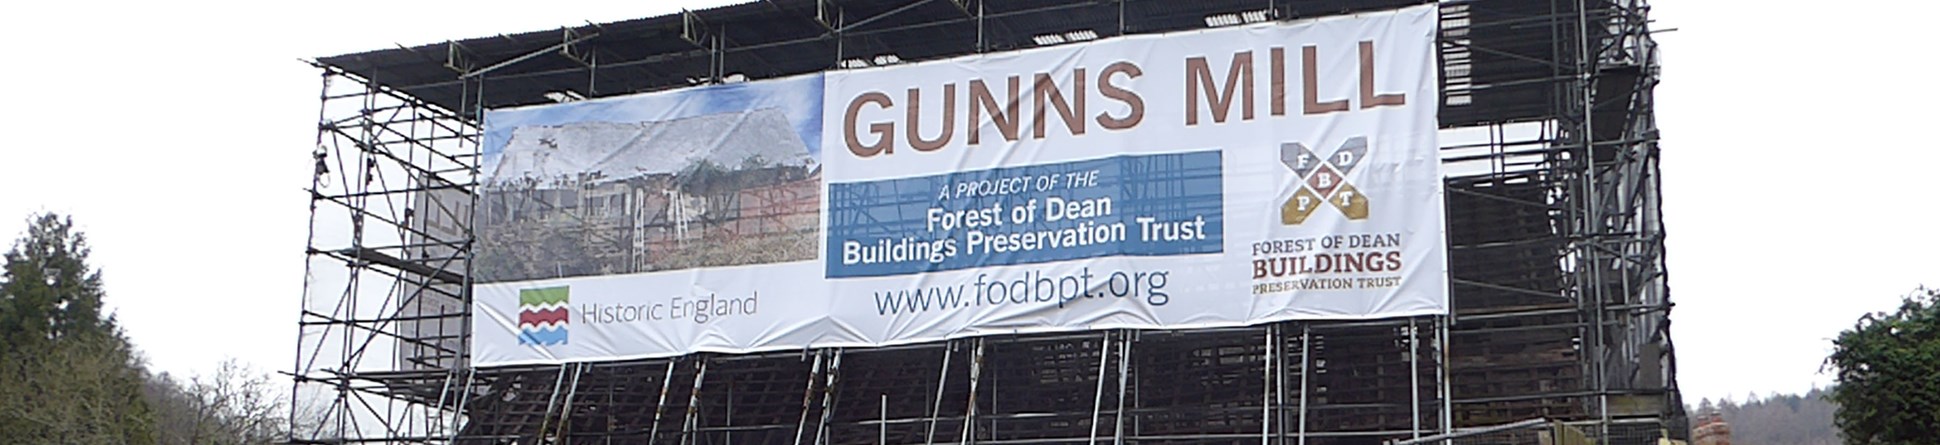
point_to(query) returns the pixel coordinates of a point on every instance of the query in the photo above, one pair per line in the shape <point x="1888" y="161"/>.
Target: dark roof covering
<point x="1509" y="42"/>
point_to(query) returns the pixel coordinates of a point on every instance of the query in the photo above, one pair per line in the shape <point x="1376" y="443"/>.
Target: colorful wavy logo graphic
<point x="543" y="315"/>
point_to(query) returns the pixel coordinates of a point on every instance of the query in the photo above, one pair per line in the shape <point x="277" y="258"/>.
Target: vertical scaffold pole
<point x="1124" y="371"/>
<point x="840" y="16"/>
<point x="1593" y="216"/>
<point x="970" y="412"/>
<point x="828" y="395"/>
<point x="1098" y="398"/>
<point x="316" y="184"/>
<point x="1280" y="385"/>
<point x="455" y="414"/>
<point x="1266" y="387"/>
<point x="566" y="409"/>
<point x="552" y="401"/>
<point x="1448" y="393"/>
<point x="691" y="425"/>
<point x="1121" y="17"/>
<point x="436" y="422"/>
<point x="1414" y="377"/>
<point x="659" y="408"/>
<point x="718" y="66"/>
<point x="808" y="396"/>
<point x="1306" y="361"/>
<point x="980" y="42"/>
<point x="936" y="409"/>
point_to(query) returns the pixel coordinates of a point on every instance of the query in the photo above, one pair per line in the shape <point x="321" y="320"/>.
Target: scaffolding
<point x="1561" y="304"/>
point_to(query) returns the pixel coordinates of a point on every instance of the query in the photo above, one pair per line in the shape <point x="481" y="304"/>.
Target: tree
<point x="1888" y="368"/>
<point x="48" y="292"/>
<point x="67" y="375"/>
<point x="1777" y="419"/>
<point x="235" y="406"/>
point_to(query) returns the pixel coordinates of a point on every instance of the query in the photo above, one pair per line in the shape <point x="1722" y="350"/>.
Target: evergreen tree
<point x="67" y="375"/>
<point x="1888" y="366"/>
<point x="47" y="291"/>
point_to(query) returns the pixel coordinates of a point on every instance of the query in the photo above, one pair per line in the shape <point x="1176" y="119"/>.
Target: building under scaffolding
<point x="1561" y="307"/>
<point x="601" y="198"/>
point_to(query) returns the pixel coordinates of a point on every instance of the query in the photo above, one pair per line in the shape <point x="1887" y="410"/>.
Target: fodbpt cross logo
<point x="1323" y="180"/>
<point x="543" y="315"/>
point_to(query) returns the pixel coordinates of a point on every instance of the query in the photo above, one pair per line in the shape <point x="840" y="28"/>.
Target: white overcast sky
<point x="1799" y="162"/>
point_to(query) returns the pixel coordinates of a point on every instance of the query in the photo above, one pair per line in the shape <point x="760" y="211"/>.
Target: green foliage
<point x="1888" y="366"/>
<point x="47" y="291"/>
<point x="80" y="390"/>
<point x="66" y="373"/>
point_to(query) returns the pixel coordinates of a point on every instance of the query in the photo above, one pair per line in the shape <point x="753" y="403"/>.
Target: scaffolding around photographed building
<point x="1560" y="298"/>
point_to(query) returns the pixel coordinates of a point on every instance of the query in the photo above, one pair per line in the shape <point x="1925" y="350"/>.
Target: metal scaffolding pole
<point x="660" y="407"/>
<point x="1280" y="384"/>
<point x="808" y="396"/>
<point x="1414" y="378"/>
<point x="1447" y="390"/>
<point x="460" y="412"/>
<point x="1306" y="332"/>
<point x="970" y="411"/>
<point x="543" y="420"/>
<point x="1124" y="370"/>
<point x="1586" y="62"/>
<point x="828" y="395"/>
<point x="942" y="378"/>
<point x="691" y="424"/>
<point x="566" y="408"/>
<point x="1266" y="386"/>
<point x="1098" y="400"/>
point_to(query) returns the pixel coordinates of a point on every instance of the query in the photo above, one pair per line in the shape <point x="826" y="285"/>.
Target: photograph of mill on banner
<point x="702" y="179"/>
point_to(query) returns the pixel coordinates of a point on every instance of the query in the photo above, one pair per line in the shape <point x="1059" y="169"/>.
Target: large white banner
<point x="1222" y="177"/>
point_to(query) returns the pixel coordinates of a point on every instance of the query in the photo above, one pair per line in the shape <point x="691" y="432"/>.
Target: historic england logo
<point x="1323" y="180"/>
<point x="543" y="315"/>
